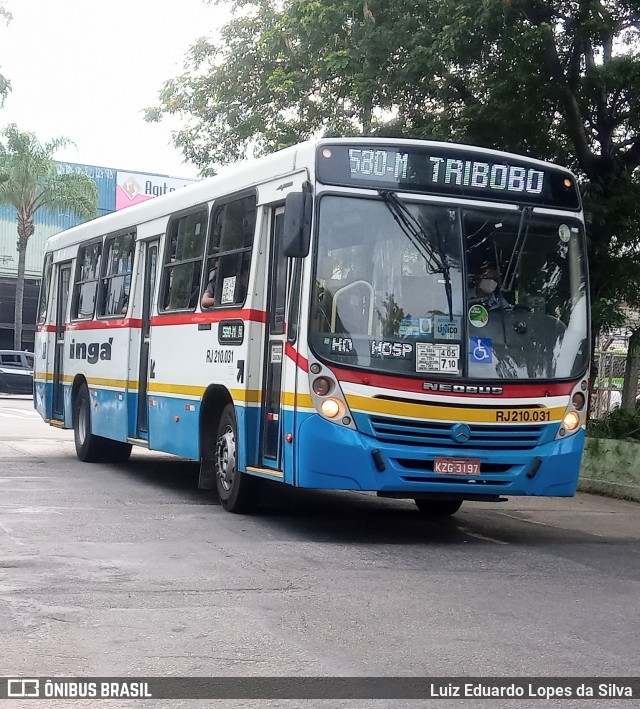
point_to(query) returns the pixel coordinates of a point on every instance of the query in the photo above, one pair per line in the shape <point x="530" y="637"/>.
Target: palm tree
<point x="29" y="182"/>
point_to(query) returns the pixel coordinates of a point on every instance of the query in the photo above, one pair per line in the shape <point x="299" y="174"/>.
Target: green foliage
<point x="618" y="423"/>
<point x="281" y="74"/>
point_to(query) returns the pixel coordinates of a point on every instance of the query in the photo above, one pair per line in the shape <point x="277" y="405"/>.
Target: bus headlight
<point x="327" y="396"/>
<point x="331" y="408"/>
<point x="571" y="421"/>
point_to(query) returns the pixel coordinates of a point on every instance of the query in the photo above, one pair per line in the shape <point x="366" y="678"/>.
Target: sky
<point x="86" y="69"/>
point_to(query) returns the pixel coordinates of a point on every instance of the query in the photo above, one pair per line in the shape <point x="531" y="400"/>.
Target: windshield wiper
<point x="436" y="259"/>
<point x="514" y="260"/>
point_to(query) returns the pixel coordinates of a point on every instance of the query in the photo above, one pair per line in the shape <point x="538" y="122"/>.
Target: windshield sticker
<point x="340" y="345"/>
<point x="481" y="350"/>
<point x="228" y="290"/>
<point x="478" y="315"/>
<point x="409" y="327"/>
<point x="564" y="232"/>
<point x="416" y="327"/>
<point x="398" y="350"/>
<point x="446" y="329"/>
<point x="433" y="357"/>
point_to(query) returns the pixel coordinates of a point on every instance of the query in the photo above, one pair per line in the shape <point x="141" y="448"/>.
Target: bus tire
<point x="438" y="508"/>
<point x="89" y="448"/>
<point x="238" y="492"/>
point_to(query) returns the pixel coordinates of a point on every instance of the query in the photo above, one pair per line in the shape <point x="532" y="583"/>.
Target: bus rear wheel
<point x="438" y="508"/>
<point x="89" y="448"/>
<point x="238" y="492"/>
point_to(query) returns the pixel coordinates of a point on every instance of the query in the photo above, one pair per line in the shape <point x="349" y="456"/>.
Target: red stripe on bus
<point x="157" y="320"/>
<point x="196" y="318"/>
<point x="513" y="391"/>
<point x="293" y="354"/>
<point x="104" y="324"/>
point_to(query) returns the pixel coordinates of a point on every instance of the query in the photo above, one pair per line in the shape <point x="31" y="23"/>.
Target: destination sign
<point x="448" y="171"/>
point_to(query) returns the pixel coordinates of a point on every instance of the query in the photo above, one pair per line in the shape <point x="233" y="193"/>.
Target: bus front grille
<point x="433" y="434"/>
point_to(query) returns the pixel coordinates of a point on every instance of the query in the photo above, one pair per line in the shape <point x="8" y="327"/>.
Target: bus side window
<point x="229" y="250"/>
<point x="87" y="277"/>
<point x="116" y="275"/>
<point x="45" y="284"/>
<point x="183" y="261"/>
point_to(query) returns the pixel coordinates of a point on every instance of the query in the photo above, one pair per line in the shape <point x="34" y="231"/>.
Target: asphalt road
<point x="131" y="570"/>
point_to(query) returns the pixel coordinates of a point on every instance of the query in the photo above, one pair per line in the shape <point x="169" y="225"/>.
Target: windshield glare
<point x="379" y="302"/>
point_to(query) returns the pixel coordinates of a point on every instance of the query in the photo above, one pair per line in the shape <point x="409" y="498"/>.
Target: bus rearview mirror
<point x="297" y="224"/>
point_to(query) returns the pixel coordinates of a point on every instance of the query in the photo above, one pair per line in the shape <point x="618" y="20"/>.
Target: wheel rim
<point x="226" y="459"/>
<point x="82" y="422"/>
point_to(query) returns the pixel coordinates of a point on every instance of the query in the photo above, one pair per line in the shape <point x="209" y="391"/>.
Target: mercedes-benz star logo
<point x="460" y="433"/>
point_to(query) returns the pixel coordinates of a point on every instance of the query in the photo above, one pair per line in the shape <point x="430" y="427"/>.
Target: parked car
<point x="16" y="372"/>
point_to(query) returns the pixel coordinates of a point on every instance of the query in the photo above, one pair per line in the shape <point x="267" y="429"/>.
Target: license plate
<point x="457" y="466"/>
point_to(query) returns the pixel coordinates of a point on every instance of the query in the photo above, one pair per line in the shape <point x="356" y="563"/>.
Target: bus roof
<point x="231" y="179"/>
<point x="237" y="177"/>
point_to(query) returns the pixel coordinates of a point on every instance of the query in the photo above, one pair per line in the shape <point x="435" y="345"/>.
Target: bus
<point x="409" y="318"/>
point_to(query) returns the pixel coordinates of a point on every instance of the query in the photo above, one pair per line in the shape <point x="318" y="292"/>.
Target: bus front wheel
<point x="238" y="492"/>
<point x="438" y="508"/>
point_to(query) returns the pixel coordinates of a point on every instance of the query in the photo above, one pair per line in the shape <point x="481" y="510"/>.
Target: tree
<point x="278" y="76"/>
<point x="556" y="79"/>
<point x="30" y="184"/>
<point x="5" y="86"/>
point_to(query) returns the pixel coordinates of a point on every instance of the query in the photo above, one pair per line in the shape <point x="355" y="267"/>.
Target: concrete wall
<point x="611" y="467"/>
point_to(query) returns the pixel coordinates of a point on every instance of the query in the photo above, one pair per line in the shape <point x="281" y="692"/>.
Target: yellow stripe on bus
<point x="290" y="399"/>
<point x="449" y="413"/>
<point x="246" y="396"/>
<point x="113" y="383"/>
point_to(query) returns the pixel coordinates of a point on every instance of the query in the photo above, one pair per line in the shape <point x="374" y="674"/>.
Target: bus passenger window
<point x="116" y="276"/>
<point x="86" y="285"/>
<point x="229" y="253"/>
<point x="45" y="284"/>
<point x="183" y="261"/>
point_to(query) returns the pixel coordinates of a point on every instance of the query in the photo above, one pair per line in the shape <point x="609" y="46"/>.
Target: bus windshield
<point x="512" y="303"/>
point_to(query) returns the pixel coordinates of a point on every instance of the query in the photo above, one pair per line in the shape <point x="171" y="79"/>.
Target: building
<point x="117" y="189"/>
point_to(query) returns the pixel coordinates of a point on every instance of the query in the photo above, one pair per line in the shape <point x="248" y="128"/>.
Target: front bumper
<point x="333" y="457"/>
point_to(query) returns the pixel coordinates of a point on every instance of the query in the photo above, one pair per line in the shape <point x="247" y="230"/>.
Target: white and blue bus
<point x="398" y="316"/>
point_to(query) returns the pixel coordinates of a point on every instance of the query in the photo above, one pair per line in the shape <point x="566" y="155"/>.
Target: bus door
<point x="145" y="368"/>
<point x="275" y="343"/>
<point x="62" y="299"/>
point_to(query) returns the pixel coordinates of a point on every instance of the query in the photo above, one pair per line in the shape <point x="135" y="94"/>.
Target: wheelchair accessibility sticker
<point x="481" y="350"/>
